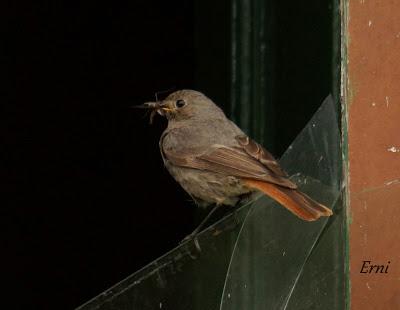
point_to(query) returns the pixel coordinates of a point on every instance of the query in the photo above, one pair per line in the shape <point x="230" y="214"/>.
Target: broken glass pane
<point x="261" y="256"/>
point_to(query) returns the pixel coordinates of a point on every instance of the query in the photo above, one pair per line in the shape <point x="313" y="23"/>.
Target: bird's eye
<point x="180" y="103"/>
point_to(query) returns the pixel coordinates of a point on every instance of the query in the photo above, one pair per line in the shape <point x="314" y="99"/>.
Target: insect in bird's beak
<point x="155" y="107"/>
<point x="147" y="105"/>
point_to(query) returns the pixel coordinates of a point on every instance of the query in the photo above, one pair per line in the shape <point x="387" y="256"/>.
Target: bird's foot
<point x="192" y="237"/>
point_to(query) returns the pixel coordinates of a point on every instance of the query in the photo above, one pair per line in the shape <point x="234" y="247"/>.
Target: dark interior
<point x="90" y="201"/>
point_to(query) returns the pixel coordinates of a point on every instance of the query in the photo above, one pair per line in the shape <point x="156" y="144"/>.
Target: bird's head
<point x="186" y="105"/>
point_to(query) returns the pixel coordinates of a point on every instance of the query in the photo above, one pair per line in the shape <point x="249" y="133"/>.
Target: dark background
<point x="87" y="200"/>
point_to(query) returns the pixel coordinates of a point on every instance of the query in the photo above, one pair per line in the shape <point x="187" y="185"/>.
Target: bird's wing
<point x="259" y="153"/>
<point x="247" y="160"/>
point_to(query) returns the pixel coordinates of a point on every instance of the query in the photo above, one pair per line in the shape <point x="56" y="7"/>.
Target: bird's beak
<point x="165" y="106"/>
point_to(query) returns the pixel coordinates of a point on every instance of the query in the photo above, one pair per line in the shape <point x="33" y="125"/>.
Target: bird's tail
<point x="292" y="199"/>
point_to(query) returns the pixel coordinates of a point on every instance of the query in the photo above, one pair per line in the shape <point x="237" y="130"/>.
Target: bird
<point x="216" y="163"/>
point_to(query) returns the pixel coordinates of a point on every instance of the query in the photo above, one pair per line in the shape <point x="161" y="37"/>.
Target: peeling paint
<point x="392" y="182"/>
<point x="369" y="23"/>
<point x="377" y="188"/>
<point x="387" y="101"/>
<point x="394" y="149"/>
<point x="367" y="284"/>
<point x="373" y="104"/>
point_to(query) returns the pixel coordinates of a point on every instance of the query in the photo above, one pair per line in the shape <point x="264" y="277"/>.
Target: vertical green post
<point x="252" y="69"/>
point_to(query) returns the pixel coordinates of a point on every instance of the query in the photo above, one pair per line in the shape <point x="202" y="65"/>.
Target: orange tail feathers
<point x="292" y="199"/>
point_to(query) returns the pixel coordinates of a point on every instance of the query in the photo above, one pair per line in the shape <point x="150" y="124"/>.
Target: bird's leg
<point x="193" y="235"/>
<point x="204" y="221"/>
<point x="233" y="211"/>
<point x="243" y="199"/>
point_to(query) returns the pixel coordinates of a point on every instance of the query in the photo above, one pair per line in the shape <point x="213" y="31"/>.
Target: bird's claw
<point x="192" y="237"/>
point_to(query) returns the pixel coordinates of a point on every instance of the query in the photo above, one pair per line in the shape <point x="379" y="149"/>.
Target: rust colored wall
<point x="373" y="105"/>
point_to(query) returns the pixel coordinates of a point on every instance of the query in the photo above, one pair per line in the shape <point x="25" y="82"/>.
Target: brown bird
<point x="216" y="163"/>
